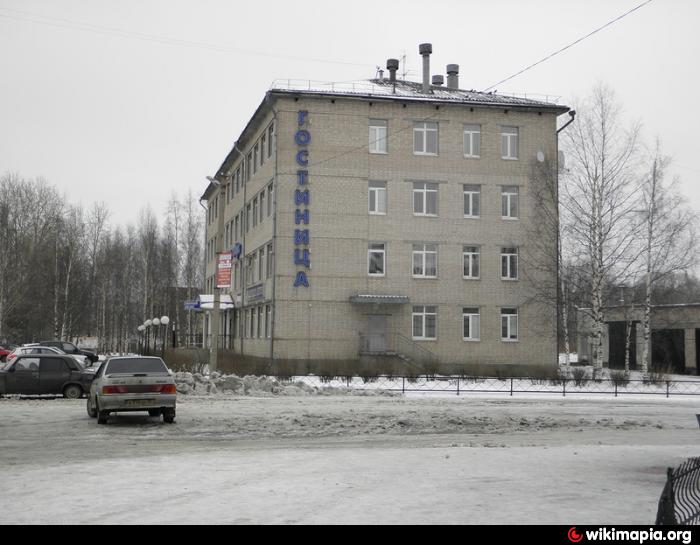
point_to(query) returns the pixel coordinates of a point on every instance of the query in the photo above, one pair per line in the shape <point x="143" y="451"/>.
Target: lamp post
<point x="141" y="330"/>
<point x="156" y="323"/>
<point x="164" y="321"/>
<point x="147" y="326"/>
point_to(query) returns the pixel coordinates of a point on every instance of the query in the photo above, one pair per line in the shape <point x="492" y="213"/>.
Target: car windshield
<point x="136" y="365"/>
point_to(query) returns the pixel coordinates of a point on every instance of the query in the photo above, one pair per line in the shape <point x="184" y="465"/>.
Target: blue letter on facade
<point x="301" y="280"/>
<point x="302" y="138"/>
<point x="302" y="257"/>
<point x="301" y="217"/>
<point x="301" y="237"/>
<point x="302" y="117"/>
<point x="302" y="177"/>
<point x="301" y="197"/>
<point x="303" y="158"/>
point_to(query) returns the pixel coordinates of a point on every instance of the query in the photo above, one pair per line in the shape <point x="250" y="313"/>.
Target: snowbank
<point x="200" y="384"/>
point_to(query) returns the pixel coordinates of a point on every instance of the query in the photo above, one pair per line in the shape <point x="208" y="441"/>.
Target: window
<point x="509" y="142"/>
<point x="262" y="205"/>
<point x="228" y="235"/>
<point x="471" y="262"/>
<point x="270" y="133"/>
<point x="378" y="136"/>
<point x="255" y="157"/>
<point x="425" y="138"/>
<point x="269" y="260"/>
<point x="425" y="260"/>
<point x="471" y="324"/>
<point x="472" y="201"/>
<point x="377" y="198"/>
<point x="424" y="323"/>
<point x="252" y="323"/>
<point x="235" y="229"/>
<point x="247" y="218"/>
<point x="376" y="255"/>
<point x="425" y="199"/>
<point x="261" y="264"/>
<point x="260" y="318"/>
<point x="254" y="268"/>
<point x="268" y="312"/>
<point x="509" y="263"/>
<point x="269" y="200"/>
<point x="509" y="324"/>
<point x="509" y="202"/>
<point x="238" y="179"/>
<point x="472" y="140"/>
<point x="263" y="139"/>
<point x="255" y="211"/>
<point x="249" y="166"/>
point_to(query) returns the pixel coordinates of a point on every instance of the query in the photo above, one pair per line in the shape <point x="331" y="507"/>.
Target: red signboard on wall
<point x="224" y="268"/>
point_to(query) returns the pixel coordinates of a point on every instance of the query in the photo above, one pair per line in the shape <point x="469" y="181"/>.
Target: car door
<point x="53" y="374"/>
<point x="23" y="376"/>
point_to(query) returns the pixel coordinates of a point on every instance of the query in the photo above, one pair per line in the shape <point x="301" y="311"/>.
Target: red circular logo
<point x="574" y="536"/>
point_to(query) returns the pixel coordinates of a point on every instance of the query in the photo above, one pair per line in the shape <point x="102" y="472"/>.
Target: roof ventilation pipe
<point x="453" y="76"/>
<point x="438" y="81"/>
<point x="426" y="50"/>
<point x="392" y="65"/>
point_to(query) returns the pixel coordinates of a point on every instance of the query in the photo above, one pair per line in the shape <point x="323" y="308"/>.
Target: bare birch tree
<point x="670" y="236"/>
<point x="598" y="198"/>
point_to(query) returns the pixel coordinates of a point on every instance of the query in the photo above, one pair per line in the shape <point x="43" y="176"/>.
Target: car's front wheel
<point x="92" y="412"/>
<point x="72" y="391"/>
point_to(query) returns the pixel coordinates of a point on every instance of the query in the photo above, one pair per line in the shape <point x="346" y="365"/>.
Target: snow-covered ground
<point x="333" y="459"/>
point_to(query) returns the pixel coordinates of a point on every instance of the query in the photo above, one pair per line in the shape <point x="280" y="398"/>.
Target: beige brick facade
<point x="319" y="321"/>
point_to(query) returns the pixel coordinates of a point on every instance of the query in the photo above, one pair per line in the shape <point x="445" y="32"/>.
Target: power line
<point x="571" y="44"/>
<point x="121" y="33"/>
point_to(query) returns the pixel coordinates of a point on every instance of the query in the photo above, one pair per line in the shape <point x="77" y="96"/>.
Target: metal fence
<point x="680" y="499"/>
<point x="509" y="386"/>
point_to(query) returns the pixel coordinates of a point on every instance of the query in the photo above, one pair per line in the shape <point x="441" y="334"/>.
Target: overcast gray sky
<point x="126" y="101"/>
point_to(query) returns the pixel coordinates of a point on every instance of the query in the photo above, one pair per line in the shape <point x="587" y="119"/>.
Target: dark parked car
<point x="38" y="374"/>
<point x="70" y="348"/>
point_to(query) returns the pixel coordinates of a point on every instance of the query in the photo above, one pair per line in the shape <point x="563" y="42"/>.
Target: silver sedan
<point x="132" y="383"/>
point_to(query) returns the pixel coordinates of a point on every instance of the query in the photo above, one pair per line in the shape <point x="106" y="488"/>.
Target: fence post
<point x="403" y="385"/>
<point x="563" y="382"/>
<point x="615" y="388"/>
<point x="457" y="385"/>
<point x="348" y="380"/>
<point x="668" y="388"/>
<point x="511" y="386"/>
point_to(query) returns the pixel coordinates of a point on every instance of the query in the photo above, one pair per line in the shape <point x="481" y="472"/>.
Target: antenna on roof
<point x="403" y="63"/>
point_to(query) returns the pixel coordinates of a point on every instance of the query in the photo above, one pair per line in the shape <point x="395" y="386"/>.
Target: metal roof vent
<point x="438" y="80"/>
<point x="426" y="50"/>
<point x="392" y="65"/>
<point x="453" y="76"/>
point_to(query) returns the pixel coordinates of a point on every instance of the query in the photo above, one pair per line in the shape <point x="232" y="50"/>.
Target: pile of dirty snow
<point x="216" y="383"/>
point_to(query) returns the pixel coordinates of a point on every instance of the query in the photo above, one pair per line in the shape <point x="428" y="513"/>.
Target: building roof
<point x="411" y="91"/>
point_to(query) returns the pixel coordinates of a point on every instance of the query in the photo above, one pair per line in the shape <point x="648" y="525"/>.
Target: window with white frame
<point x="235" y="228"/>
<point x="472" y="200"/>
<point x="470" y="256"/>
<point x="377" y="198"/>
<point x="509" y="324"/>
<point x="262" y="205"/>
<point x="509" y="263"/>
<point x="263" y="140"/>
<point x="425" y="260"/>
<point x="261" y="264"/>
<point x="378" y="130"/>
<point x="270" y="258"/>
<point x="247" y="217"/>
<point x="270" y="134"/>
<point x="425" y="199"/>
<point x="424" y="323"/>
<point x="252" y="323"/>
<point x="249" y="166"/>
<point x="472" y="140"/>
<point x="255" y="211"/>
<point x="268" y="314"/>
<point x="471" y="324"/>
<point x="509" y="202"/>
<point x="376" y="259"/>
<point x="270" y="202"/>
<point x="260" y="322"/>
<point x="509" y="142"/>
<point x="255" y="157"/>
<point x="425" y="138"/>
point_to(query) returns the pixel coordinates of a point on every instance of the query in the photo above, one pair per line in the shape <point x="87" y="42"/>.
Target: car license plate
<point x="137" y="402"/>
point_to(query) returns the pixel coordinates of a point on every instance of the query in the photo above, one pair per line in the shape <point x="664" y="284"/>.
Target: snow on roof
<point x="409" y="90"/>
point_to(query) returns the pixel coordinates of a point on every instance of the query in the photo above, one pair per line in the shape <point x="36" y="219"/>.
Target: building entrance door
<point x="376" y="333"/>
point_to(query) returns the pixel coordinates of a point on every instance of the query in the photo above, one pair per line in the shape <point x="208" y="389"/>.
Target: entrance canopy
<point x="380" y="299"/>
